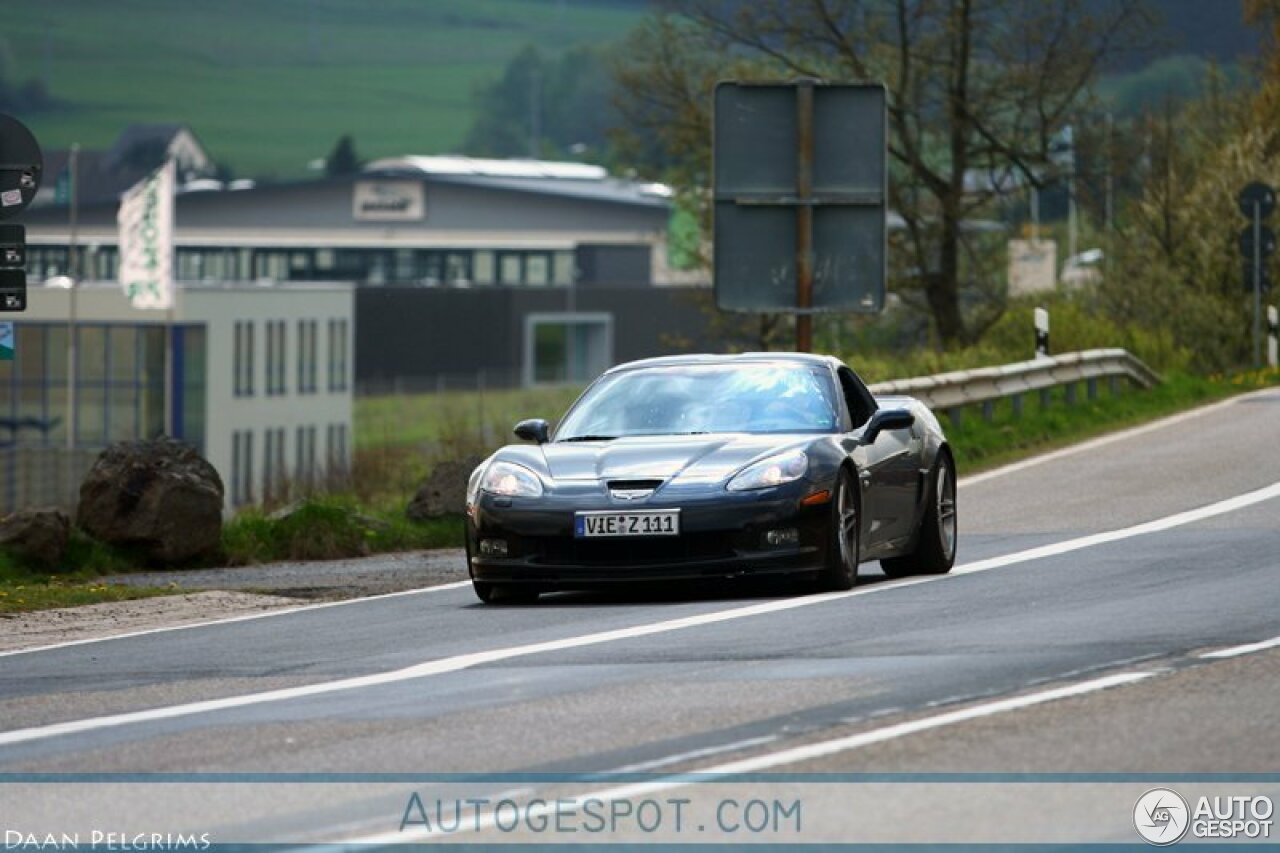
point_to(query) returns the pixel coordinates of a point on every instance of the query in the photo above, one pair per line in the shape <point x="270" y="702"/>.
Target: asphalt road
<point x="745" y="679"/>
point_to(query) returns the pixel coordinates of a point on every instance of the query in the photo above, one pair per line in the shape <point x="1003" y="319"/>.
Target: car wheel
<point x="841" y="571"/>
<point x="491" y="593"/>
<point x="935" y="551"/>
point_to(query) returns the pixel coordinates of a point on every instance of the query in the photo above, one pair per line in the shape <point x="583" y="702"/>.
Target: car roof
<point x="797" y="358"/>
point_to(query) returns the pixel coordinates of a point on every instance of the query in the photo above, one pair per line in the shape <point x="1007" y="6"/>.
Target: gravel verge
<point x="211" y="594"/>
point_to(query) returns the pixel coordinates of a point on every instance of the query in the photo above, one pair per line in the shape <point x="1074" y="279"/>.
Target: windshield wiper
<point x="590" y="438"/>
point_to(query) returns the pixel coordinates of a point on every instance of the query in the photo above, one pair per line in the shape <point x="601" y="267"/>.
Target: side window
<point x="859" y="400"/>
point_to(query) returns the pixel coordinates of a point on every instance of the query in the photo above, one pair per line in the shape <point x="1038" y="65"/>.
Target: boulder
<point x="445" y="491"/>
<point x="37" y="536"/>
<point x="158" y="496"/>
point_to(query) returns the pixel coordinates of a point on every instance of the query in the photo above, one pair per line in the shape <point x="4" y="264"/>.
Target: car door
<point x="887" y="467"/>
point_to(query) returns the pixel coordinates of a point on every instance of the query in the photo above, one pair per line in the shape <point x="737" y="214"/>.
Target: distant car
<point x="714" y="467"/>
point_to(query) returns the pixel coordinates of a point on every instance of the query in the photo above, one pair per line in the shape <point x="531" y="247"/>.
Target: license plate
<point x="588" y="525"/>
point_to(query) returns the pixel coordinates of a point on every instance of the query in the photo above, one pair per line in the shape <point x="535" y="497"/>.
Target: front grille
<point x="627" y="551"/>
<point x="634" y="484"/>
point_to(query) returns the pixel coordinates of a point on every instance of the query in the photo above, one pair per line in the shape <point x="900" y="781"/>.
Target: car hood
<point x="703" y="458"/>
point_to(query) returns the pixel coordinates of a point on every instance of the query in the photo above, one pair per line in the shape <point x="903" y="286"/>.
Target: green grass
<point x="332" y="527"/>
<point x="270" y="85"/>
<point x="462" y="418"/>
<point x="24" y="587"/>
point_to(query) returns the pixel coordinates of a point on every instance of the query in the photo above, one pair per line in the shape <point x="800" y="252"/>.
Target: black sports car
<point x="704" y="466"/>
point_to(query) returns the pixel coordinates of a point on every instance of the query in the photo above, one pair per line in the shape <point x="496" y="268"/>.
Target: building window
<point x="241" y="468"/>
<point x="564" y="265"/>
<point x="336" y="435"/>
<point x="510" y="268"/>
<point x="307" y="354"/>
<point x="275" y="485"/>
<point x="271" y="264"/>
<point x="338" y="355"/>
<point x="482" y="267"/>
<point x="194" y="398"/>
<point x="566" y="347"/>
<point x="276" y="355"/>
<point x="243" y="358"/>
<point x="537" y="269"/>
<point x="305" y="460"/>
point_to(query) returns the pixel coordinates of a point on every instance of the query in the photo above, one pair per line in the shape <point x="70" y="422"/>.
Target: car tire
<point x="491" y="593"/>
<point x="841" y="571"/>
<point x="935" y="550"/>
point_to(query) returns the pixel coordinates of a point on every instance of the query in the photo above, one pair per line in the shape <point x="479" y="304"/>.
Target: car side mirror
<point x="534" y="429"/>
<point x="887" y="419"/>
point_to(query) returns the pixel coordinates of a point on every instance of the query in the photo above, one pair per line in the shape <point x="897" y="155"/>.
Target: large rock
<point x="445" y="491"/>
<point x="158" y="496"/>
<point x="37" y="536"/>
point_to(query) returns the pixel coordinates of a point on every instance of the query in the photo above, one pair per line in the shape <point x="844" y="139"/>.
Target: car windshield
<point x="704" y="398"/>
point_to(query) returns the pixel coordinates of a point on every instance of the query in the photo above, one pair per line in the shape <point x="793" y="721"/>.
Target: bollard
<point x="1042" y="332"/>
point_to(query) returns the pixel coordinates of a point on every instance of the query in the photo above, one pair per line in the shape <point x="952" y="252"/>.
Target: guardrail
<point x="984" y="385"/>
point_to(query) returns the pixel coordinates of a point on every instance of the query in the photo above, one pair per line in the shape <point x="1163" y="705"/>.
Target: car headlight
<point x="510" y="480"/>
<point x="773" y="471"/>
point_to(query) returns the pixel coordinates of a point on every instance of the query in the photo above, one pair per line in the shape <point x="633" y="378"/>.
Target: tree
<point x="976" y="88"/>
<point x="343" y="160"/>
<point x="543" y="106"/>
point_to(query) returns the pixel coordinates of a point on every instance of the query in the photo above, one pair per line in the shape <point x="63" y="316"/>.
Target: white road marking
<point x="474" y="659"/>
<point x="1155" y="526"/>
<point x="248" y="617"/>
<point x="1110" y="438"/>
<point x="810" y="751"/>
<point x="694" y="754"/>
<point x="1236" y="651"/>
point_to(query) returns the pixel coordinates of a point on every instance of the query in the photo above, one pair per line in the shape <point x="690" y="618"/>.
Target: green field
<point x="268" y="85"/>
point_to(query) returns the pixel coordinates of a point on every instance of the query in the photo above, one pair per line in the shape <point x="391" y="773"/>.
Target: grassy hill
<point x="270" y="84"/>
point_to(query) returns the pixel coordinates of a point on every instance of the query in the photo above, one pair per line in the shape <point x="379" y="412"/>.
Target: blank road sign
<point x="784" y="178"/>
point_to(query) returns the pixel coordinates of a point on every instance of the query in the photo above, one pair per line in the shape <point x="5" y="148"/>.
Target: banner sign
<point x="146" y="240"/>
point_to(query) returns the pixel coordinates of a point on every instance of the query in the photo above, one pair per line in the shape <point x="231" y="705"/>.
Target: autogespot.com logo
<point x="1161" y="816"/>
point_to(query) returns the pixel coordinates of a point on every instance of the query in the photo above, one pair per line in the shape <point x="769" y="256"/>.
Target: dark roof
<point x="102" y="175"/>
<point x="95" y="180"/>
<point x="139" y="135"/>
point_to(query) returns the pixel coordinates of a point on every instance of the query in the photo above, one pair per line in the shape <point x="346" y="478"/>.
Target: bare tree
<point x="978" y="89"/>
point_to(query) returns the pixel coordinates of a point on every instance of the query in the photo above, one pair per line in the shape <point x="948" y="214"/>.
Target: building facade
<point x="259" y="379"/>
<point x="536" y="271"/>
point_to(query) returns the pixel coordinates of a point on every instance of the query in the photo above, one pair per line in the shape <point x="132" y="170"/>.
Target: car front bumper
<point x="722" y="535"/>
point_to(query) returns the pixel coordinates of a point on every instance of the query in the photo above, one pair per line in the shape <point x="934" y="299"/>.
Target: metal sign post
<point x="804" y="215"/>
<point x="1273" y="331"/>
<point x="800" y="181"/>
<point x="1257" y="242"/>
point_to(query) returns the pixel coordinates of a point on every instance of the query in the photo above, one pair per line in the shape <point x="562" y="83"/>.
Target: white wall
<point x="218" y="308"/>
<point x="225" y="413"/>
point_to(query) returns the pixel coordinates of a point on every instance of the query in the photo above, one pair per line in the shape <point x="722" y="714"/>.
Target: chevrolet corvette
<point x="707" y="467"/>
